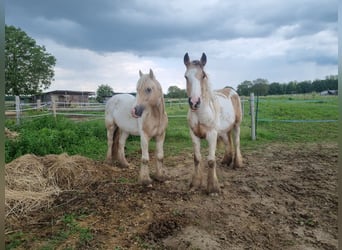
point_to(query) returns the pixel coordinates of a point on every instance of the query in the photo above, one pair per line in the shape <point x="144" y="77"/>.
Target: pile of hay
<point x="32" y="182"/>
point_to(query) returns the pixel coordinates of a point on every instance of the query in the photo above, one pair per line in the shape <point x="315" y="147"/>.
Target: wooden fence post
<point x="54" y="108"/>
<point x="39" y="105"/>
<point x="252" y="117"/>
<point x="242" y="101"/>
<point x="17" y="108"/>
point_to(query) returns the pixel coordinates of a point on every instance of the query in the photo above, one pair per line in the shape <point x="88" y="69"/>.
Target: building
<point x="329" y="92"/>
<point x="66" y="97"/>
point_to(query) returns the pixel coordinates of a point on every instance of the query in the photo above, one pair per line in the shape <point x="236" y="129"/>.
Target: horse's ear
<point x="151" y="74"/>
<point x="186" y="59"/>
<point x="140" y="73"/>
<point x="203" y="59"/>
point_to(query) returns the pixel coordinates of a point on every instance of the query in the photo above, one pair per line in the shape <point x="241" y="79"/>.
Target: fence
<point x="96" y="111"/>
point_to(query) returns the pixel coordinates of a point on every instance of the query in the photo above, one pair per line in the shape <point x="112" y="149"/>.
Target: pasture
<point x="283" y="198"/>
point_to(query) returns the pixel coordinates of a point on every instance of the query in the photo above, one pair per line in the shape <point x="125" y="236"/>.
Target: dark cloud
<point x="262" y="38"/>
<point x="107" y="25"/>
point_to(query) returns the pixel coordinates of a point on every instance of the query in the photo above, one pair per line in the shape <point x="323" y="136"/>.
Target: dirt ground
<point x="285" y="197"/>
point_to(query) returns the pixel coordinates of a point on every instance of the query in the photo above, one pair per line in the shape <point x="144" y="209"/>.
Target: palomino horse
<point x="212" y="115"/>
<point x="142" y="115"/>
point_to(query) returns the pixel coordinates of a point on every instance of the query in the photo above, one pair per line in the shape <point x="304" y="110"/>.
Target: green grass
<point x="296" y="119"/>
<point x="46" y="135"/>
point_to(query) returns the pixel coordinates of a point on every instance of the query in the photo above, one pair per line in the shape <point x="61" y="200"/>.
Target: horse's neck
<point x="208" y="96"/>
<point x="158" y="111"/>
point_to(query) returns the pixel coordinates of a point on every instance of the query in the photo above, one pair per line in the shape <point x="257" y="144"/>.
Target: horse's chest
<point x="200" y="130"/>
<point x="153" y="128"/>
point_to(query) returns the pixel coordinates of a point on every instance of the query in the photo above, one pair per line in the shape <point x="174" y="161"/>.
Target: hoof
<point x="146" y="182"/>
<point x="160" y="178"/>
<point x="123" y="165"/>
<point x="109" y="161"/>
<point x="227" y="161"/>
<point x="213" y="187"/>
<point x="194" y="190"/>
<point x="237" y="164"/>
<point x="196" y="183"/>
<point x="213" y="191"/>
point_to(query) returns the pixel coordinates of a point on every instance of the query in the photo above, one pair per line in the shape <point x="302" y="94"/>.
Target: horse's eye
<point x="148" y="90"/>
<point x="186" y="78"/>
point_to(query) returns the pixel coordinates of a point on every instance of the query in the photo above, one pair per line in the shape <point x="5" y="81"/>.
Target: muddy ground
<point x="285" y="197"/>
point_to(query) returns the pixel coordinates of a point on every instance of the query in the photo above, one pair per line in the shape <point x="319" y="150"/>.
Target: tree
<point x="244" y="88"/>
<point x="176" y="92"/>
<point x="260" y="87"/>
<point x="291" y="87"/>
<point x="29" y="69"/>
<point x="275" y="89"/>
<point x="304" y="87"/>
<point x="103" y="91"/>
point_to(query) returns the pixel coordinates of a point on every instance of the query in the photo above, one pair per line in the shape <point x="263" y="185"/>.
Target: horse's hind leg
<point x="160" y="170"/>
<point x="121" y="149"/>
<point x="238" y="156"/>
<point x="228" y="155"/>
<point x="110" y="136"/>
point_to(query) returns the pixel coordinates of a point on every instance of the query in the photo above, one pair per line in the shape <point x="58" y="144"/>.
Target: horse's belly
<point x="227" y="115"/>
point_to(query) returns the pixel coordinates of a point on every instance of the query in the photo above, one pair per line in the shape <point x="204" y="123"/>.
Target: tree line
<point x="262" y="87"/>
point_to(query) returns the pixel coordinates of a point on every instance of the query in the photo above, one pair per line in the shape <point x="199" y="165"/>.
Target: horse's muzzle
<point x="137" y="111"/>
<point x="194" y="104"/>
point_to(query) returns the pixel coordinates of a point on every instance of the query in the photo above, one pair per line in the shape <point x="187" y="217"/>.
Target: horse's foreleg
<point x="160" y="171"/>
<point x="196" y="181"/>
<point x="212" y="182"/>
<point x="110" y="134"/>
<point x="228" y="155"/>
<point x="144" y="175"/>
<point x="121" y="149"/>
<point x="238" y="156"/>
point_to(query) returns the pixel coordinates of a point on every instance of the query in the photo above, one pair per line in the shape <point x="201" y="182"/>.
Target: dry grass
<point x="10" y="134"/>
<point x="32" y="182"/>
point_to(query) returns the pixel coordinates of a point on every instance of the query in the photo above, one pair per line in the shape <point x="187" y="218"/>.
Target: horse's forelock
<point x="197" y="63"/>
<point x="145" y="79"/>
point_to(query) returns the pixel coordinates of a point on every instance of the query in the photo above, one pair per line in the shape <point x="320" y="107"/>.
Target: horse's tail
<point x="115" y="146"/>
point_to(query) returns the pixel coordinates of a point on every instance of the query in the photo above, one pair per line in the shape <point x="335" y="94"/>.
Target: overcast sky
<point x="108" y="41"/>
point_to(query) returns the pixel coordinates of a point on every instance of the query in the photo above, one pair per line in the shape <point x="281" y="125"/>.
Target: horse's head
<point x="149" y="93"/>
<point x="195" y="77"/>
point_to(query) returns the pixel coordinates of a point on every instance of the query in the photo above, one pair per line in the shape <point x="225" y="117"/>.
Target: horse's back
<point x="229" y="101"/>
<point x="118" y="111"/>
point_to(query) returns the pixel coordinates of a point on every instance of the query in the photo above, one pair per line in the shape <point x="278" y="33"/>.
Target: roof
<point x="69" y="92"/>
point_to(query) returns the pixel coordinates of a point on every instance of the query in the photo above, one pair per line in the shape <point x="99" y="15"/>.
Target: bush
<point x="47" y="135"/>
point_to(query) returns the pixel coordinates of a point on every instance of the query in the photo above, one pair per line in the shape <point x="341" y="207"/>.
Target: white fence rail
<point x="80" y="110"/>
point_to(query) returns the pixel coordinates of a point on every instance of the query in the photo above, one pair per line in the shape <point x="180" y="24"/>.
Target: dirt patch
<point x="284" y="198"/>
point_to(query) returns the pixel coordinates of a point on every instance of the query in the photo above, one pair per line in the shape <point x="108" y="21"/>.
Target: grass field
<point x="284" y="119"/>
